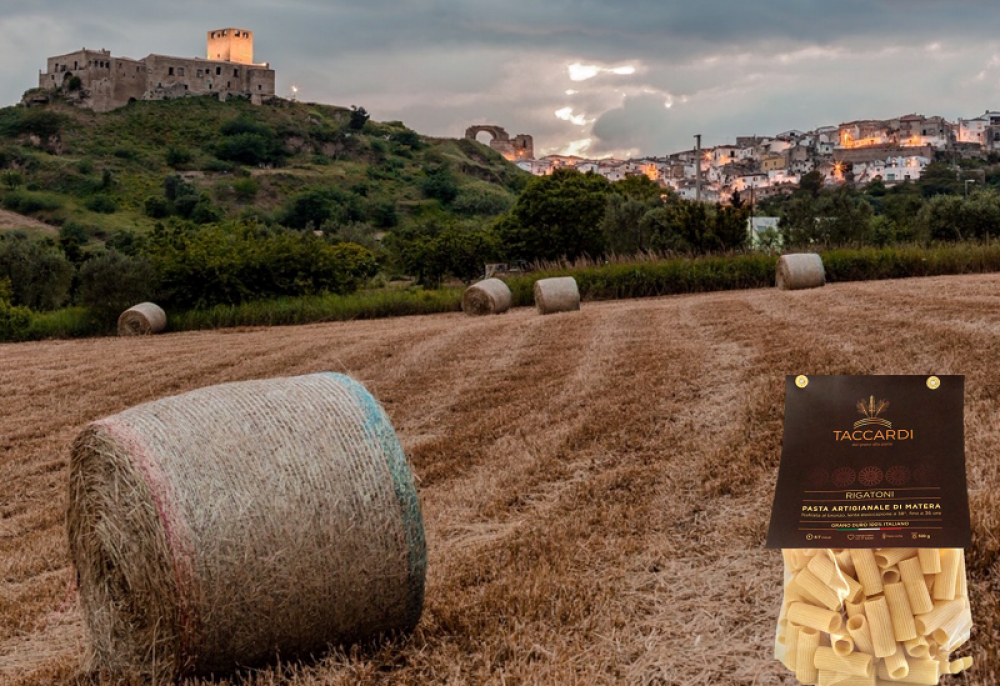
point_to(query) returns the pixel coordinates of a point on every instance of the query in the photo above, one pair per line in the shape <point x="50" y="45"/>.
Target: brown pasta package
<point x="841" y="624"/>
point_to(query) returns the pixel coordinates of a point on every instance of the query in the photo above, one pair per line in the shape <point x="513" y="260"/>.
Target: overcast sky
<point x="592" y="77"/>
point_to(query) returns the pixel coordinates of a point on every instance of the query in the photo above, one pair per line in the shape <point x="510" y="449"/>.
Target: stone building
<point x="107" y="82"/>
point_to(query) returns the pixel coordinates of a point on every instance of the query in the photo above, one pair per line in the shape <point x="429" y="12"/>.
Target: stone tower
<point x="231" y="45"/>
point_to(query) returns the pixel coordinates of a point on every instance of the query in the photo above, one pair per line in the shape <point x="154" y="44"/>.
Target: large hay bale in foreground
<point x="235" y="523"/>
<point x="804" y="270"/>
<point x="559" y="294"/>
<point x="490" y="296"/>
<point x="141" y="320"/>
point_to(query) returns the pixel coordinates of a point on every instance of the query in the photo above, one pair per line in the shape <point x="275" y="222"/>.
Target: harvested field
<point x="596" y="485"/>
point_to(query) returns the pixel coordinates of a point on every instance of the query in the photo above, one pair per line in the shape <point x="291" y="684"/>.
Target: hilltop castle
<point x="106" y="82"/>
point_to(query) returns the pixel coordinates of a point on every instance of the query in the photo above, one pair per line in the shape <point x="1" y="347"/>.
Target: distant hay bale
<point x="559" y="294"/>
<point x="799" y="271"/>
<point x="240" y="522"/>
<point x="491" y="296"/>
<point x="142" y="320"/>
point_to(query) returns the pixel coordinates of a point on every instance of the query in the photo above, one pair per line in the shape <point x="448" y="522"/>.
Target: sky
<point x="597" y="78"/>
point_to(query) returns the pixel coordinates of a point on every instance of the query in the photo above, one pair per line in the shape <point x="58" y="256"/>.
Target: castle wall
<point x="172" y="77"/>
<point x="110" y="82"/>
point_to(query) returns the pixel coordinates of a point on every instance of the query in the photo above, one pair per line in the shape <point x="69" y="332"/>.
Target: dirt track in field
<point x="595" y="485"/>
<point x="12" y="220"/>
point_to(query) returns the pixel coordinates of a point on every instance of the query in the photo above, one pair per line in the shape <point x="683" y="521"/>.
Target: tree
<point x="811" y="183"/>
<point x="113" y="282"/>
<point x="359" y="117"/>
<point x="440" y="183"/>
<point x="39" y="273"/>
<point x="939" y="178"/>
<point x="557" y="216"/>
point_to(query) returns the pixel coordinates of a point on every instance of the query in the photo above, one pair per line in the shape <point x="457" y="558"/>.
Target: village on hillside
<point x="894" y="150"/>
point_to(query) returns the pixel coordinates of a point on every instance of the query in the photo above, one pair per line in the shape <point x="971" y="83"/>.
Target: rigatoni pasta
<point x="846" y="621"/>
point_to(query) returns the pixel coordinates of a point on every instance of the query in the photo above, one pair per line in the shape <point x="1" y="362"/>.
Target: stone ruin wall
<point x="522" y="147"/>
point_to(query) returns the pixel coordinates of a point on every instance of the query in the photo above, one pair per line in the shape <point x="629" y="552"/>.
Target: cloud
<point x="633" y="75"/>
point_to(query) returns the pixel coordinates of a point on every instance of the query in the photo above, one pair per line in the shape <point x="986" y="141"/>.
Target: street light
<point x="967" y="182"/>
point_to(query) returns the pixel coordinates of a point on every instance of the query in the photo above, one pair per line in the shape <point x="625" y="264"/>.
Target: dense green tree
<point x="359" y="117"/>
<point x="939" y="178"/>
<point x="317" y="207"/>
<point x="811" y="183"/>
<point x="229" y="264"/>
<point x="112" y="282"/>
<point x="440" y="182"/>
<point x="557" y="216"/>
<point x="39" y="273"/>
<point x="433" y="252"/>
<point x="72" y="237"/>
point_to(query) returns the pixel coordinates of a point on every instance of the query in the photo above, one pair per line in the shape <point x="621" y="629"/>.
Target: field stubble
<point x="595" y="485"/>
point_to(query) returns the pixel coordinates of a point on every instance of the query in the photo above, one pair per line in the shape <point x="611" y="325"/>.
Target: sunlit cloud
<point x="566" y="114"/>
<point x="578" y="147"/>
<point x="582" y="72"/>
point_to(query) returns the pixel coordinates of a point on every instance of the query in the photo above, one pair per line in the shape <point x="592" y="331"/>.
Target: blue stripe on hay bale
<point x="377" y="425"/>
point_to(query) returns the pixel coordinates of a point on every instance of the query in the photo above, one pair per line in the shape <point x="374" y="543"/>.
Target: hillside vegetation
<point x="198" y="159"/>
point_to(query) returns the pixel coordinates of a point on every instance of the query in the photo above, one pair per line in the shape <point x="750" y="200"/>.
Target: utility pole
<point x="697" y="168"/>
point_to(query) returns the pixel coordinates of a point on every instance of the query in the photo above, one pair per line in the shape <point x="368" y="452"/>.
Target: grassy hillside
<point x="285" y="162"/>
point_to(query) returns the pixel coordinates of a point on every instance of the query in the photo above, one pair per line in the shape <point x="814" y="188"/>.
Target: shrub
<point x="482" y="201"/>
<point x="156" y="207"/>
<point x="177" y="157"/>
<point x="234" y="263"/>
<point x="246" y="188"/>
<point x="15" y="322"/>
<point x="103" y="204"/>
<point x="112" y="282"/>
<point x="29" y="202"/>
<point x="39" y="273"/>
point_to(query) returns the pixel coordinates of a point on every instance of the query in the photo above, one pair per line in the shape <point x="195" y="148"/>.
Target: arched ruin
<point x="522" y="147"/>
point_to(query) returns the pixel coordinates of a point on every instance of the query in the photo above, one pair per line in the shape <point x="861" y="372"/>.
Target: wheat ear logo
<point x="871" y="410"/>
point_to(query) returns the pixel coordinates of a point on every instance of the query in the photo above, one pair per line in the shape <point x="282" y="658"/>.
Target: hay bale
<point x="559" y="294"/>
<point x="490" y="296"/>
<point x="799" y="271"/>
<point x="142" y="320"/>
<point x="235" y="523"/>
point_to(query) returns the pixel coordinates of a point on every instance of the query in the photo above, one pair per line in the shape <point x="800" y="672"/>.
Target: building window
<point x="180" y="71"/>
<point x="170" y="71"/>
<point x="236" y="72"/>
<point x="218" y="71"/>
<point x="200" y="73"/>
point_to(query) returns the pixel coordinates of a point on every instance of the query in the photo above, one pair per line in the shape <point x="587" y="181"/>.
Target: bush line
<point x="597" y="282"/>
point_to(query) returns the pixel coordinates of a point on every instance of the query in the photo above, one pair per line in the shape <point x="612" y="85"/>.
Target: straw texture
<point x="232" y="524"/>
<point x="490" y="296"/>
<point x="559" y="294"/>
<point x="803" y="270"/>
<point x="141" y="320"/>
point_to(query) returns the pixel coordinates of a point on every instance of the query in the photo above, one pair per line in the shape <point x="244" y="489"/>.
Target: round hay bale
<point x="236" y="523"/>
<point x="491" y="296"/>
<point x="142" y="320"/>
<point x="559" y="294"/>
<point x="804" y="270"/>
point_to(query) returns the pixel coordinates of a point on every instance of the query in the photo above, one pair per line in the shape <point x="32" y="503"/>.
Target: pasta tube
<point x="880" y="622"/>
<point x="858" y="664"/>
<point x="868" y="571"/>
<point x="805" y="665"/>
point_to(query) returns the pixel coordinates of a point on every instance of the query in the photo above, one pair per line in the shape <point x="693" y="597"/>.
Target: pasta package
<point x="871" y="514"/>
<point x="882" y="638"/>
